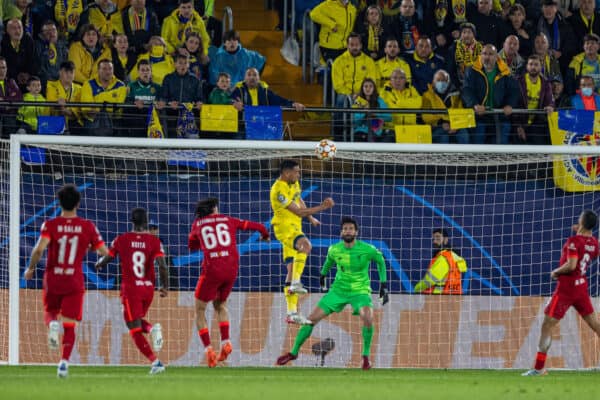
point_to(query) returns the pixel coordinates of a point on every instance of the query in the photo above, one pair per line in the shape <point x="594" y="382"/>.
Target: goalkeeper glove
<point x="384" y="297"/>
<point x="323" y="283"/>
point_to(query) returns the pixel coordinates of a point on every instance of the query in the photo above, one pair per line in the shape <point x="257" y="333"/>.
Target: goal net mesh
<point x="503" y="212"/>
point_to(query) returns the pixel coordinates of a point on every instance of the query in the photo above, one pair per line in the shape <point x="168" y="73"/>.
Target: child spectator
<point x="222" y="93"/>
<point x="27" y="115"/>
<point x="368" y="127"/>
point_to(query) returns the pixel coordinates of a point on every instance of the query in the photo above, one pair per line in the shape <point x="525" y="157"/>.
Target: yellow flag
<point x="413" y="134"/>
<point x="461" y="118"/>
<point x="155" y="129"/>
<point x="218" y="118"/>
<point x="575" y="173"/>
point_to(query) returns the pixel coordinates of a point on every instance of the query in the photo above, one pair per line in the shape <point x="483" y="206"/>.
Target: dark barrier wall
<point x="510" y="233"/>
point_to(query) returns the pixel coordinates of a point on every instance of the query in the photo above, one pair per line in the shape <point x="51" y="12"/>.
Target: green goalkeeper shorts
<point x="335" y="302"/>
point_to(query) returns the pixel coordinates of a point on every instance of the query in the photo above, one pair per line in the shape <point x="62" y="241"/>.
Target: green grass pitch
<point x="40" y="382"/>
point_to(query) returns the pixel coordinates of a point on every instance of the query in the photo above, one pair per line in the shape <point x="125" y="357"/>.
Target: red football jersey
<point x="585" y="249"/>
<point x="215" y="236"/>
<point x="70" y="239"/>
<point x="137" y="251"/>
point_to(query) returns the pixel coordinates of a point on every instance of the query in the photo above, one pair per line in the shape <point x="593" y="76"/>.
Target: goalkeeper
<point x="352" y="285"/>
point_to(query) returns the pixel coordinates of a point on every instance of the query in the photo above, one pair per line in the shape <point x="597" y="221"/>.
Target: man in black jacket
<point x="179" y="87"/>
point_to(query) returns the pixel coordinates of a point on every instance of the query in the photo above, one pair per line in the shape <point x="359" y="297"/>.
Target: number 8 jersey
<point x="137" y="251"/>
<point x="215" y="235"/>
<point x="585" y="250"/>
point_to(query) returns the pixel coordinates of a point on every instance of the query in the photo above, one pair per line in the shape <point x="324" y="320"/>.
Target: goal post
<point x="500" y="204"/>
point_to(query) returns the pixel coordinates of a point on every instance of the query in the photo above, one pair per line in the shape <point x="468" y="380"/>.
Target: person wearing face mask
<point x="442" y="94"/>
<point x="585" y="98"/>
<point x="444" y="272"/>
<point x="162" y="63"/>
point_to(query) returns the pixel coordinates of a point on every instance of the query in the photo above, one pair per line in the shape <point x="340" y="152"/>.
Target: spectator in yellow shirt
<point x="63" y="91"/>
<point x="401" y="94"/>
<point x="106" y="88"/>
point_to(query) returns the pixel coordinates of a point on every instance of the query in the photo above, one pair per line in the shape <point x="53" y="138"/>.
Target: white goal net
<point x="504" y="211"/>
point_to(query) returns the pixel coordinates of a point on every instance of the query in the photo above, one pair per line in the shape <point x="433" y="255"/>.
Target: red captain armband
<point x="46" y="236"/>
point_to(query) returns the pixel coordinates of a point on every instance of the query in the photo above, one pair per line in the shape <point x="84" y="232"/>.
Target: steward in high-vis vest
<point x="444" y="272"/>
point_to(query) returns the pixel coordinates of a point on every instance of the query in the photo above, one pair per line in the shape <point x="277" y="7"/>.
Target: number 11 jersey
<point x="70" y="239"/>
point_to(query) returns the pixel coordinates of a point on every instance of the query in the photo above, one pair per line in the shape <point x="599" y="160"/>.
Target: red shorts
<point x="561" y="302"/>
<point x="69" y="305"/>
<point x="135" y="306"/>
<point x="211" y="287"/>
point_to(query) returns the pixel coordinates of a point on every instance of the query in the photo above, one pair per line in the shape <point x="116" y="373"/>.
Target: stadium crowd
<point x="410" y="54"/>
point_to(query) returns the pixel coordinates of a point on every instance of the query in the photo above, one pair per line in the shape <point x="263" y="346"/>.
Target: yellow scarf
<point x="373" y="44"/>
<point x="52" y="54"/>
<point x="67" y="13"/>
<point x="533" y="94"/>
<point x="588" y="23"/>
<point x="137" y="21"/>
<point x="459" y="8"/>
<point x="466" y="55"/>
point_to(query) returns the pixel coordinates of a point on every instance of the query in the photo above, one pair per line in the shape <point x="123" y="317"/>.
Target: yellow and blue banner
<point x="576" y="128"/>
<point x="155" y="129"/>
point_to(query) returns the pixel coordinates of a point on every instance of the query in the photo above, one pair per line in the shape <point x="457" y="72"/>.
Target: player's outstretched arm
<point x="163" y="272"/>
<point x="255" y="226"/>
<point x="36" y="256"/>
<point x="305" y="212"/>
<point x="103" y="262"/>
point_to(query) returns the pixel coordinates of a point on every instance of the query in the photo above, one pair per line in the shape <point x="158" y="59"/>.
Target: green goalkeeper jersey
<point x="352" y="276"/>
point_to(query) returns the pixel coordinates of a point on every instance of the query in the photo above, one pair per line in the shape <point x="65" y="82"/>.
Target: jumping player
<point x="214" y="234"/>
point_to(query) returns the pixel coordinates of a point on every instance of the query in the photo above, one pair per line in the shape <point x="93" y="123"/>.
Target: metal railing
<point x="308" y="44"/>
<point x="227" y="19"/>
<point x="131" y="120"/>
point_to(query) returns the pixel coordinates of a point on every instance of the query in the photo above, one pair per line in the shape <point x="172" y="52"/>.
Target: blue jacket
<point x="577" y="101"/>
<point x="475" y="87"/>
<point x="266" y="97"/>
<point x="234" y="64"/>
<point x="423" y="70"/>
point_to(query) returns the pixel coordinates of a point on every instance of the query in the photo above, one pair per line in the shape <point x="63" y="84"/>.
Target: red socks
<point x="204" y="336"/>
<point x="540" y="360"/>
<point x="224" y="328"/>
<point x="141" y="343"/>
<point x="68" y="339"/>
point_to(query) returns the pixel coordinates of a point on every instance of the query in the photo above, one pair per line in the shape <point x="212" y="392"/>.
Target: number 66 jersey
<point x="215" y="235"/>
